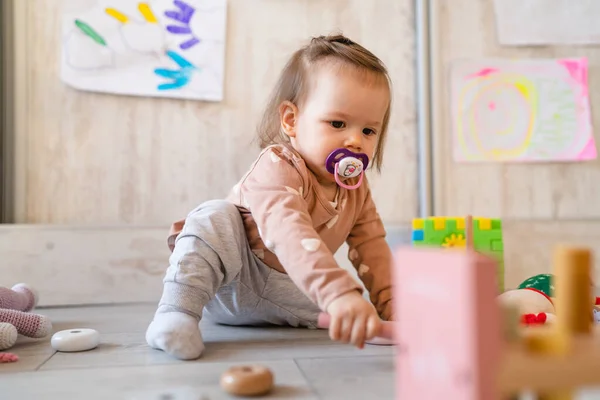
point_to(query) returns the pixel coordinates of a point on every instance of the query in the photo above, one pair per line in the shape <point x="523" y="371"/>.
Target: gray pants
<point x="212" y="270"/>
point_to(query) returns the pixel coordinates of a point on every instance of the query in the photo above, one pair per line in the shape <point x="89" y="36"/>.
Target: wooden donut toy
<point x="247" y="380"/>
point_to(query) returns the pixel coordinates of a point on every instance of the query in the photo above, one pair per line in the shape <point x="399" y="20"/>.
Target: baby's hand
<point x="353" y="319"/>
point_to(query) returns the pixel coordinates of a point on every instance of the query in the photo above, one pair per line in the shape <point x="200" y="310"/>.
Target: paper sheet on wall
<point x="521" y="111"/>
<point x="547" y="22"/>
<point x="159" y="48"/>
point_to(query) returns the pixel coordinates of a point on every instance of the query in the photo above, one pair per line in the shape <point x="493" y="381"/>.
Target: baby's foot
<point x="177" y="334"/>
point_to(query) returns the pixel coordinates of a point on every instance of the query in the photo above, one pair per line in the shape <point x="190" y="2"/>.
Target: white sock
<point x="177" y="334"/>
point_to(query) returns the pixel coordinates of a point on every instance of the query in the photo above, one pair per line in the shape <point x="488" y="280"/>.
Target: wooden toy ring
<point x="247" y="380"/>
<point x="385" y="337"/>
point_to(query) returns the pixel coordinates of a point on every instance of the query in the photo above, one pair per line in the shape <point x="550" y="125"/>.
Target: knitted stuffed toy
<point x="533" y="298"/>
<point x="15" y="318"/>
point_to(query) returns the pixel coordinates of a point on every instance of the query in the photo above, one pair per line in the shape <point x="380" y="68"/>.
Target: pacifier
<point x="346" y="164"/>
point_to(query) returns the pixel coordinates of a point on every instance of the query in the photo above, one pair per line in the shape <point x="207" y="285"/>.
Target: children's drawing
<point x="183" y="16"/>
<point x="178" y="77"/>
<point x="521" y="111"/>
<point x="143" y="35"/>
<point x="161" y="48"/>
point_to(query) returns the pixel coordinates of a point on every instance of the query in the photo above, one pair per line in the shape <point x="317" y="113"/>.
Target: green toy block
<point x="450" y="232"/>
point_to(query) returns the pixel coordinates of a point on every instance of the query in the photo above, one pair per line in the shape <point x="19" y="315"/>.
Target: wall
<point x="542" y="205"/>
<point x="95" y="159"/>
<point x="98" y="178"/>
<point x="87" y="158"/>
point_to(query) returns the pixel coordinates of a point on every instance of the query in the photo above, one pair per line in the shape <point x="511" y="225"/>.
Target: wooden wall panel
<point x="467" y="29"/>
<point x="90" y="158"/>
<point x="529" y="246"/>
<point x="75" y="265"/>
<point x="542" y="205"/>
<point x="127" y="263"/>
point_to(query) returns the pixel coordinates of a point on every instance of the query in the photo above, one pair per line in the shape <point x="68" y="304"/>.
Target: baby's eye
<point x="369" y="131"/>
<point x="337" y="124"/>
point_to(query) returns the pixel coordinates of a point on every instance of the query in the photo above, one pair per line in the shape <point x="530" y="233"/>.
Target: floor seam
<point x="215" y="361"/>
<point x="313" y="390"/>
<point x="44" y="362"/>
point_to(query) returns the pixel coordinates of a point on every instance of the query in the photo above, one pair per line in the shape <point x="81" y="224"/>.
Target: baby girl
<point x="265" y="255"/>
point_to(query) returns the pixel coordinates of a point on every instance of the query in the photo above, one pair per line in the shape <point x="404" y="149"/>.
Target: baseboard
<point x="85" y="265"/>
<point x="74" y="265"/>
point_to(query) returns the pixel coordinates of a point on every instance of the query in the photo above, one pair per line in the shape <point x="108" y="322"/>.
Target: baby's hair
<point x="293" y="83"/>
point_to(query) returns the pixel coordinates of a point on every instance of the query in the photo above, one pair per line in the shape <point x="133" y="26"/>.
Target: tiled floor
<point x="307" y="365"/>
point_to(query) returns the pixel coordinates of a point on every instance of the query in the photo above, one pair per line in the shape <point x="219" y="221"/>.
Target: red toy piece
<point x="8" y="358"/>
<point x="533" y="319"/>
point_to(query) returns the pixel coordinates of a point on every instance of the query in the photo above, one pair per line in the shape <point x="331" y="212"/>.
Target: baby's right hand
<point x="353" y="319"/>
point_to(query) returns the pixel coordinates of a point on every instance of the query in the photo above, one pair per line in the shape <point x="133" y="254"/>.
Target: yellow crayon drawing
<point x="144" y="9"/>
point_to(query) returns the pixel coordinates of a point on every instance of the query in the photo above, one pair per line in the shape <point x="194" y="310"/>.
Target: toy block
<point x="572" y="271"/>
<point x="565" y="356"/>
<point x="544" y="371"/>
<point x="417" y="223"/>
<point x="485" y="224"/>
<point x="452" y="232"/>
<point x="453" y="355"/>
<point x="453" y="341"/>
<point x="439" y="224"/>
<point x="497" y="246"/>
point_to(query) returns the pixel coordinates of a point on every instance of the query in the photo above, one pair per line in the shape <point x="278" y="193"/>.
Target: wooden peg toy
<point x="468" y="353"/>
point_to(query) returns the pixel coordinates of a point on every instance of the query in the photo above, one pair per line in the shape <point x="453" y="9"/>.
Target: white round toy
<point x="527" y="301"/>
<point x="73" y="340"/>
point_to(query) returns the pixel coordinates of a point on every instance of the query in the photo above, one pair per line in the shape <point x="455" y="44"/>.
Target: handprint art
<point x="183" y="17"/>
<point x="163" y="48"/>
<point x="146" y="36"/>
<point x="178" y="77"/>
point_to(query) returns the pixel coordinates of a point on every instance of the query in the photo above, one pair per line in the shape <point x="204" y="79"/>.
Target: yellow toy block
<point x="418" y="223"/>
<point x="485" y="224"/>
<point x="439" y="223"/>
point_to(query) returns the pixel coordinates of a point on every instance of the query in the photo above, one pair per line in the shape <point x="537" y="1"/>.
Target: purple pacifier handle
<point x="340" y="153"/>
<point x="332" y="162"/>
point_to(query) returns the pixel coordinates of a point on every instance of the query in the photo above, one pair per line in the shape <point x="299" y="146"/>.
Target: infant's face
<point x="345" y="108"/>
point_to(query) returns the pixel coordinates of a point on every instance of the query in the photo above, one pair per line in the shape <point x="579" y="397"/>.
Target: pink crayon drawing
<point x="521" y="111"/>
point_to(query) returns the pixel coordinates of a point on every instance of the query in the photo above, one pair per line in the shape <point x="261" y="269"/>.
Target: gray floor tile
<point x="370" y="377"/>
<point x="180" y="381"/>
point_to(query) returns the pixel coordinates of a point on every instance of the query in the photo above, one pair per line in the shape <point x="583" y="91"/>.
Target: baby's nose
<point x="354" y="141"/>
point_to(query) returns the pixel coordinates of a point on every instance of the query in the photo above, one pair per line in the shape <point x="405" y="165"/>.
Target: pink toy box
<point x="448" y="332"/>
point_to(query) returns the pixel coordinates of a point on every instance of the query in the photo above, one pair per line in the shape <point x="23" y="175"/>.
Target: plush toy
<point x="16" y="318"/>
<point x="533" y="298"/>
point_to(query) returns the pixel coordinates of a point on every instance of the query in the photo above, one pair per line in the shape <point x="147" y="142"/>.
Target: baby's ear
<point x="288" y="115"/>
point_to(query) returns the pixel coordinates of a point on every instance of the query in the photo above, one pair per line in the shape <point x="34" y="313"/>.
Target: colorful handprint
<point x="165" y="48"/>
<point x="145" y="36"/>
<point x="183" y="16"/>
<point x="179" y="77"/>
